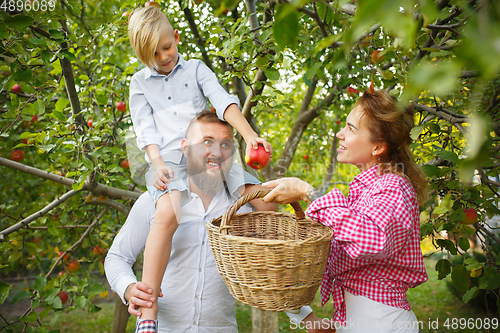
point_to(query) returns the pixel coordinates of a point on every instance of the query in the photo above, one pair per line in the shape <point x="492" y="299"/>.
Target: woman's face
<point x="355" y="146"/>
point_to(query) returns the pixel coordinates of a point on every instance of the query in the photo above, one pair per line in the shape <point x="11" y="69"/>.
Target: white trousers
<point x="367" y="316"/>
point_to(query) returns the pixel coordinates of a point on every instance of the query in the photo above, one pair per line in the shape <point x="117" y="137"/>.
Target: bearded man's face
<point x="209" y="156"/>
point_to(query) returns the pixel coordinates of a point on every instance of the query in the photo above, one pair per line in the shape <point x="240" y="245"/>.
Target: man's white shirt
<point x="195" y="296"/>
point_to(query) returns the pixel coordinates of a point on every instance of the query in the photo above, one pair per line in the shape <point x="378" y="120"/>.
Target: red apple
<point x="90" y="123"/>
<point x="34" y="119"/>
<point x="98" y="250"/>
<point x="60" y="273"/>
<point x="16" y="88"/>
<point x="257" y="158"/>
<point x="151" y="3"/>
<point x="125" y="164"/>
<point x="120" y="106"/>
<point x="470" y="216"/>
<point x="376" y="58"/>
<point x="352" y="91"/>
<point x="63" y="296"/>
<point x="337" y="122"/>
<point x="17" y="155"/>
<point x="73" y="265"/>
<point x="306" y="157"/>
<point x="66" y="257"/>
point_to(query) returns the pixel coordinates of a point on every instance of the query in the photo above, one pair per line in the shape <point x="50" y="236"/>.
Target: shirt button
<point x="196" y="296"/>
<point x="200" y="269"/>
<point x="186" y="85"/>
<point x="169" y="97"/>
<point x="175" y="113"/>
<point x="166" y="79"/>
<point x="194" y="322"/>
<point x="203" y="243"/>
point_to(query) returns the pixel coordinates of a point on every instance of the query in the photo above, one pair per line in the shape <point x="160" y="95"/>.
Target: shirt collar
<point x="153" y="73"/>
<point x="367" y="177"/>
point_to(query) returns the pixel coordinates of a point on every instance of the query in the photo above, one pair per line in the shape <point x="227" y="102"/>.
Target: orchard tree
<point x="70" y="172"/>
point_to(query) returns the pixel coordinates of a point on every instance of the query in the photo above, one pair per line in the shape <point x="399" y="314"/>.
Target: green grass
<point x="431" y="301"/>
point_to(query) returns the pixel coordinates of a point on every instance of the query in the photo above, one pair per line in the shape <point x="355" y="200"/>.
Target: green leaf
<point x="61" y="104"/>
<point x="20" y="295"/>
<point x="19" y="22"/>
<point x="40" y="282"/>
<point x="470" y="294"/>
<point x="4" y="291"/>
<point x="443" y="267"/>
<point x="24" y="75"/>
<point x="272" y="74"/>
<point x="94" y="309"/>
<point x="32" y="317"/>
<point x="463" y="243"/>
<point x="286" y="27"/>
<point x="430" y="171"/>
<point x="460" y="278"/>
<point x="448" y="156"/>
<point x="46" y="56"/>
<point x="40" y="107"/>
<point x="54" y="319"/>
<point x="80" y="302"/>
<point x="311" y="72"/>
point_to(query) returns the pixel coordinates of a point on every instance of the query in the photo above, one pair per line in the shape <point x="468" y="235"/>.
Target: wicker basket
<point x="268" y="260"/>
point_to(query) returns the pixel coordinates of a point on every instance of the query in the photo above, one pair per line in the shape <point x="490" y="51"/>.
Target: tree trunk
<point x="120" y="317"/>
<point x="264" y="321"/>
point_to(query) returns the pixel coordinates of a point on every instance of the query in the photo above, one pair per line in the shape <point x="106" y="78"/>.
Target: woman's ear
<point x="379" y="148"/>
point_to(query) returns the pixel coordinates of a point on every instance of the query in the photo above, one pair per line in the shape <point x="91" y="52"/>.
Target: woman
<point x="375" y="254"/>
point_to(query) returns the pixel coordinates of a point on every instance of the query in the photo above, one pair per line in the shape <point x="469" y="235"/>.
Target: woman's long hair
<point x="389" y="122"/>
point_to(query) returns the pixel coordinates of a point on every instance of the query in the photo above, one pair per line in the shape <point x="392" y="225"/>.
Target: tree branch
<point x="331" y="166"/>
<point x="99" y="189"/>
<point x="79" y="241"/>
<point x="455" y="121"/>
<point x="36" y="215"/>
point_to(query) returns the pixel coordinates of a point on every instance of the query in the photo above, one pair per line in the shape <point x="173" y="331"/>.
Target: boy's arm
<point x="236" y="119"/>
<point x="161" y="170"/>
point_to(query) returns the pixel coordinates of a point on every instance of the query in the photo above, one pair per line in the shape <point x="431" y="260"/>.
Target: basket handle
<point x="228" y="215"/>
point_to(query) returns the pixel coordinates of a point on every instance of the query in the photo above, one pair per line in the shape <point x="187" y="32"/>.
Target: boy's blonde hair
<point x="144" y="29"/>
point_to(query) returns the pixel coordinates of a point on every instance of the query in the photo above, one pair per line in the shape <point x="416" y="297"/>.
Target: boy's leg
<point x="159" y="244"/>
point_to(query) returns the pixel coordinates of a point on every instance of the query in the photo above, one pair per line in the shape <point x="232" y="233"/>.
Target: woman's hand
<point x="139" y="295"/>
<point x="288" y="190"/>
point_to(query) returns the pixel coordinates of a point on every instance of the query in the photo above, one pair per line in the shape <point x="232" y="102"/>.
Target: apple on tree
<point x="73" y="265"/>
<point x="151" y="3"/>
<point x="63" y="296"/>
<point x="121" y="106"/>
<point x="125" y="164"/>
<point x="16" y="88"/>
<point x="470" y="216"/>
<point x="257" y="158"/>
<point x="17" y="155"/>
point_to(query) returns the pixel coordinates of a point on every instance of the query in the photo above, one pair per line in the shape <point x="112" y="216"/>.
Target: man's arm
<point x="127" y="245"/>
<point x="259" y="204"/>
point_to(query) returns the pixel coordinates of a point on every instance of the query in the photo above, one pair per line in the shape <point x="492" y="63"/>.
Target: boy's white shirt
<point x="161" y="106"/>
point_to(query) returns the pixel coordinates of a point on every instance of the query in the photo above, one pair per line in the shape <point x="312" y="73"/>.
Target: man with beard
<point x="196" y="298"/>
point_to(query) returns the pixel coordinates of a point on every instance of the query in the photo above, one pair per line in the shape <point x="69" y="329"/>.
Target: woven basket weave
<point x="268" y="260"/>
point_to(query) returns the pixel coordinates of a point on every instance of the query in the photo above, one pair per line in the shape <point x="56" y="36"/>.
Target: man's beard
<point x="211" y="182"/>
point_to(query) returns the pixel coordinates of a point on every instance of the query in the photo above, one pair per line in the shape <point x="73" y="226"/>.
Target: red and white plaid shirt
<point x="376" y="247"/>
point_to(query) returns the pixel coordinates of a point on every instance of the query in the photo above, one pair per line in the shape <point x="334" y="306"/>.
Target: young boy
<point x="164" y="97"/>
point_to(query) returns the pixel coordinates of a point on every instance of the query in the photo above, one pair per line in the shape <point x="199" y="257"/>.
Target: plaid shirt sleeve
<point x="376" y="225"/>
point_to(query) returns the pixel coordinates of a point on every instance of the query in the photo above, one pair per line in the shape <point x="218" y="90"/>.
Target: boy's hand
<point x="162" y="176"/>
<point x="139" y="295"/>
<point x="254" y="143"/>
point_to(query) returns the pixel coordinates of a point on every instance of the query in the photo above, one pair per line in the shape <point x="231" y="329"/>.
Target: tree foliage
<point x="297" y="68"/>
